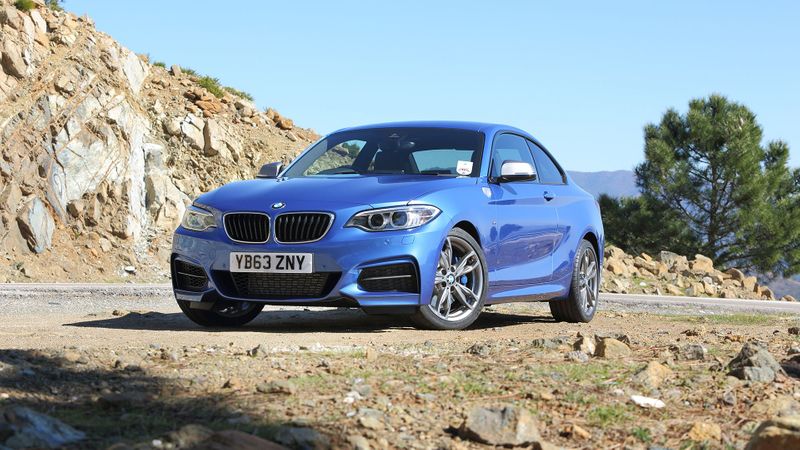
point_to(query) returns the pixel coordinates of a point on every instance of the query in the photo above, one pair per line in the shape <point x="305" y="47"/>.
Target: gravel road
<point x="103" y="315"/>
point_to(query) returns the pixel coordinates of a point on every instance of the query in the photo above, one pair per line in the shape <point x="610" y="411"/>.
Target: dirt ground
<point x="128" y="370"/>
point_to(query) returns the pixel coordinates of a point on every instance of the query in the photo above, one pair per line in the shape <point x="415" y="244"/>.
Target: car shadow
<point x="299" y="321"/>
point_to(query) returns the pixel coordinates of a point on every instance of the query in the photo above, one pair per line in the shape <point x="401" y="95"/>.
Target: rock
<point x="694" y="352"/>
<point x="613" y="252"/>
<point x="506" y="426"/>
<point x="36" y="225"/>
<point x="647" y="402"/>
<point x="673" y="261"/>
<point x="702" y="264"/>
<point x="277" y="387"/>
<point x="301" y="437"/>
<point x="673" y="290"/>
<point x="189" y="435"/>
<point x="777" y="433"/>
<point x="766" y="293"/>
<point x="749" y="284"/>
<point x="788" y="298"/>
<point x="585" y="344"/>
<point x="12" y="61"/>
<point x="794" y="331"/>
<point x="612" y="348"/>
<point x="284" y="124"/>
<point x="358" y="442"/>
<point x="705" y="431"/>
<point x="754" y="363"/>
<point x="193" y="128"/>
<point x="653" y="375"/>
<point x="370" y="418"/>
<point x="782" y="405"/>
<point x="736" y="274"/>
<point x="617" y="267"/>
<point x="75" y="208"/>
<point x="577" y="356"/>
<point x="210" y="106"/>
<point x="479" y="349"/>
<point x="236" y="440"/>
<point x="23" y="427"/>
<point x="175" y="70"/>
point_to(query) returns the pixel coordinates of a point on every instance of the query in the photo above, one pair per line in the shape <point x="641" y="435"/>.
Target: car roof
<point x="454" y="124"/>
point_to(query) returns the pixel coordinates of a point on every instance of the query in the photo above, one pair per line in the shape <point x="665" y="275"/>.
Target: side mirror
<point x="270" y="170"/>
<point x="517" y="171"/>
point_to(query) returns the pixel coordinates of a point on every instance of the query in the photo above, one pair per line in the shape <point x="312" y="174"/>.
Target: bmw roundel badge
<point x="278" y="205"/>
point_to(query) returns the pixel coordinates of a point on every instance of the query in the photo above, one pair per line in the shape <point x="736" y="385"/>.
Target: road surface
<point x="100" y="315"/>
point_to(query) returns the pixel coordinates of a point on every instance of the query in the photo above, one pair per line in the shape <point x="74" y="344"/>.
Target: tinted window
<point x="548" y="171"/>
<point x="370" y="151"/>
<point x="509" y="147"/>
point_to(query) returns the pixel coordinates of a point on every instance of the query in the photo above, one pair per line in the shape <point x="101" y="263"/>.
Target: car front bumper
<point x="343" y="252"/>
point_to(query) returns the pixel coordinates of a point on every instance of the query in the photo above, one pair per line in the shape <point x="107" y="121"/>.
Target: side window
<point x="337" y="159"/>
<point x="509" y="147"/>
<point x="548" y="171"/>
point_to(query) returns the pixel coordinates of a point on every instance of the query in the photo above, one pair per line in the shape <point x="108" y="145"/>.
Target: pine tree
<point x="738" y="197"/>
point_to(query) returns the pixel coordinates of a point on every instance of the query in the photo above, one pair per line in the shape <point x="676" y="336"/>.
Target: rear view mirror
<point x="517" y="171"/>
<point x="270" y="170"/>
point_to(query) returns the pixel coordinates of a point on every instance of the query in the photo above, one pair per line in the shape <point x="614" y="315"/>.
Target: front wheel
<point x="459" y="290"/>
<point x="222" y="313"/>
<point x="584" y="292"/>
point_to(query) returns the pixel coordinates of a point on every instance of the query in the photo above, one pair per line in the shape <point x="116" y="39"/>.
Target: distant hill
<point x="617" y="183"/>
<point x="786" y="286"/>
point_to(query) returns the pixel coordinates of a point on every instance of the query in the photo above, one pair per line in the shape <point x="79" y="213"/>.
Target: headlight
<point x="389" y="219"/>
<point x="197" y="219"/>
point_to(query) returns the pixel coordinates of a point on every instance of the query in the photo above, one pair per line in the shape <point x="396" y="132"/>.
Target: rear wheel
<point x="584" y="292"/>
<point x="222" y="313"/>
<point x="459" y="291"/>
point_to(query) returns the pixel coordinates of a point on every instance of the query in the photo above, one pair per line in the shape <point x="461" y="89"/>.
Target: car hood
<point x="328" y="192"/>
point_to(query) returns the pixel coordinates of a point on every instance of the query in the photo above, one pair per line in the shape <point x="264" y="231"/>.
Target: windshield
<point x="418" y="151"/>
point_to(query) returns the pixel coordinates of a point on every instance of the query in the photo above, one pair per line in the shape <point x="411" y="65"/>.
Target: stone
<point x="285" y="387"/>
<point x="358" y="442"/>
<point x="653" y="375"/>
<point x="22" y="427"/>
<point x="673" y="290"/>
<point x="694" y="352"/>
<point x="188" y="435"/>
<point x="506" y="425"/>
<point x="12" y="61"/>
<point x="788" y="298"/>
<point x="749" y="283"/>
<point x="370" y="418"/>
<point x="794" y="331"/>
<point x="236" y="440"/>
<point x="782" y="405"/>
<point x="613" y="252"/>
<point x="705" y="431"/>
<point x="612" y="348"/>
<point x="674" y="261"/>
<point x="585" y="344"/>
<point x="766" y="293"/>
<point x="301" y="437"/>
<point x="210" y="106"/>
<point x="479" y="349"/>
<point x="284" y="124"/>
<point x="647" y="402"/>
<point x="215" y="140"/>
<point x="616" y="267"/>
<point x="736" y="274"/>
<point x="777" y="433"/>
<point x="75" y="208"/>
<point x="192" y="128"/>
<point x="754" y="363"/>
<point x="36" y="225"/>
<point x="577" y="356"/>
<point x="175" y="70"/>
<point x="702" y="264"/>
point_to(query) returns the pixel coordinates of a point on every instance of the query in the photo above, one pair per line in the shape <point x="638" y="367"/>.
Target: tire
<point x="458" y="299"/>
<point x="218" y="316"/>
<point x="581" y="303"/>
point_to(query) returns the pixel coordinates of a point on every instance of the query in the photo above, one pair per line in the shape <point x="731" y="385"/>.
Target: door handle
<point x="549" y="195"/>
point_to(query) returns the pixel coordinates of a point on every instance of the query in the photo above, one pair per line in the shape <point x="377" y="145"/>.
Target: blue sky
<point x="584" y="77"/>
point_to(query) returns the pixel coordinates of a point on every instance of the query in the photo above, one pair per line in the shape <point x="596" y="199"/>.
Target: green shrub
<point x="212" y="85"/>
<point x="238" y="93"/>
<point x="160" y="64"/>
<point x="55" y="5"/>
<point x="25" y="5"/>
<point x="189" y="71"/>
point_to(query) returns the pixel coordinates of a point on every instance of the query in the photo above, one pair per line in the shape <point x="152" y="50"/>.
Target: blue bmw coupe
<point x="434" y="220"/>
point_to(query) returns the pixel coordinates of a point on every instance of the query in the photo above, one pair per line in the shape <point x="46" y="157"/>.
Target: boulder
<point x="617" y="267"/>
<point x="777" y="433"/>
<point x="735" y="274"/>
<point x="192" y="128"/>
<point x="12" y="61"/>
<point x="23" y="427"/>
<point x="788" y="298"/>
<point x="653" y="375"/>
<point x="702" y="264"/>
<point x="749" y="283"/>
<point x="754" y="363"/>
<point x="236" y="440"/>
<point x="612" y="348"/>
<point x="705" y="431"/>
<point x="782" y="405"/>
<point x="674" y="261"/>
<point x="176" y="70"/>
<point x="503" y="426"/>
<point x="585" y="344"/>
<point x="215" y="140"/>
<point x="36" y="225"/>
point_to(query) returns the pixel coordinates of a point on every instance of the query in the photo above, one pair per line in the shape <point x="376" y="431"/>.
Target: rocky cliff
<point x="102" y="151"/>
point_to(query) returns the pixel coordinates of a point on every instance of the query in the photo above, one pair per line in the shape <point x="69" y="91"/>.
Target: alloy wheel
<point x="459" y="280"/>
<point x="587" y="279"/>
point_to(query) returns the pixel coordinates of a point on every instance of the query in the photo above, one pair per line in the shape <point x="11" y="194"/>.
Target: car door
<point x="526" y="224"/>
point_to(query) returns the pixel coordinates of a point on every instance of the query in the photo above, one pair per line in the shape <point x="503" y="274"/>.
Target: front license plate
<point x="272" y="262"/>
